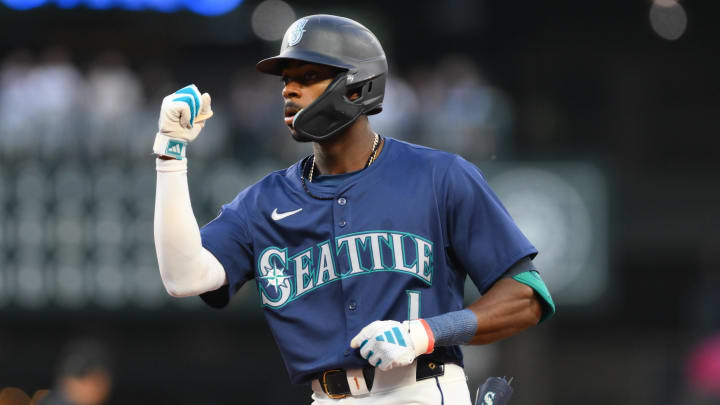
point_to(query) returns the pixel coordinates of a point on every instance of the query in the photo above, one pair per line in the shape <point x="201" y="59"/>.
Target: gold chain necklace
<point x="373" y="155"/>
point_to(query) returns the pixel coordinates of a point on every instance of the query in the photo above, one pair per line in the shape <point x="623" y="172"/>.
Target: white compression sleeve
<point x="186" y="267"/>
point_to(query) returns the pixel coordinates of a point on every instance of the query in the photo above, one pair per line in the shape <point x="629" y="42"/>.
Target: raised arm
<point x="186" y="268"/>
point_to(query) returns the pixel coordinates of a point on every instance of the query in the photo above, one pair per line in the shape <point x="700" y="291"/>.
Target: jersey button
<point x="352" y="305"/>
<point x="342" y="201"/>
<point x="347" y="352"/>
<point x="342" y="223"/>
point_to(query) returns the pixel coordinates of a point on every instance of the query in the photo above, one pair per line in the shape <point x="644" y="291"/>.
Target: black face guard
<point x="333" y="111"/>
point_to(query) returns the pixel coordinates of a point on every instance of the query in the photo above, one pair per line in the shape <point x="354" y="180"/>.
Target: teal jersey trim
<point x="533" y="280"/>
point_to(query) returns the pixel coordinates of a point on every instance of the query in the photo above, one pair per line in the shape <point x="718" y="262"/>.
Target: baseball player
<point x="359" y="251"/>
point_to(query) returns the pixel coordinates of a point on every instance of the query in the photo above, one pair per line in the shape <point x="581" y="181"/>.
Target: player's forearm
<point x="185" y="266"/>
<point x="506" y="309"/>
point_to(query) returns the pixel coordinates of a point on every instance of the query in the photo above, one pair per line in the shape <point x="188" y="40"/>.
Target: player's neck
<point x="347" y="152"/>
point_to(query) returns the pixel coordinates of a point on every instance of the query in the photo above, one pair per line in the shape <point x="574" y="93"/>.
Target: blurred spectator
<point x="158" y="81"/>
<point x="256" y="111"/>
<point x="114" y="100"/>
<point x="55" y="88"/>
<point x="83" y="376"/>
<point x="400" y="110"/>
<point x="43" y="99"/>
<point x="460" y="112"/>
<point x="15" y="130"/>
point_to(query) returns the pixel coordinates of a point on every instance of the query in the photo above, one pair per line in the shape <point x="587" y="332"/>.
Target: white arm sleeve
<point x="186" y="267"/>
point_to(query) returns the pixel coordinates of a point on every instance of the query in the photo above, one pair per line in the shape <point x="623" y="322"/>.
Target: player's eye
<point x="306" y="78"/>
<point x="310" y="76"/>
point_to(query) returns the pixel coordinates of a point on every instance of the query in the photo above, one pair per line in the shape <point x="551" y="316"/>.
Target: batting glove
<point x="178" y="124"/>
<point x="389" y="344"/>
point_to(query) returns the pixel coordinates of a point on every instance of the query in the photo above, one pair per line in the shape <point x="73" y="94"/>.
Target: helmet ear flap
<point x="336" y="108"/>
<point x="328" y="115"/>
<point x="372" y="95"/>
<point x="360" y="92"/>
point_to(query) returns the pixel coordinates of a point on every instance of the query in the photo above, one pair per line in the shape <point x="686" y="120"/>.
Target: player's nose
<point x="291" y="90"/>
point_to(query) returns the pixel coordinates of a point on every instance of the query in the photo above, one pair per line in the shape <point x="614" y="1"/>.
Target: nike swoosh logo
<point x="276" y="216"/>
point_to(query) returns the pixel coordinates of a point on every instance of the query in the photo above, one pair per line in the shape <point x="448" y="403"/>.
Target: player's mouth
<point x="290" y="115"/>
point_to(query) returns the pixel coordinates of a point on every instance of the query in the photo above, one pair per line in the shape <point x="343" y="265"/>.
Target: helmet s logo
<point x="296" y="31"/>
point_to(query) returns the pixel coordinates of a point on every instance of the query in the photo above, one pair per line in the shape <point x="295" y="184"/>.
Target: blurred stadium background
<point x="594" y="121"/>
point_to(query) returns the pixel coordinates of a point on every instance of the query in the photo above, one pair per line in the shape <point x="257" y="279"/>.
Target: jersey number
<point x="413" y="304"/>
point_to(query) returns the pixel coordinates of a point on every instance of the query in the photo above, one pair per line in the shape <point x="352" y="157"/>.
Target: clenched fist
<point x="178" y="124"/>
<point x="389" y="344"/>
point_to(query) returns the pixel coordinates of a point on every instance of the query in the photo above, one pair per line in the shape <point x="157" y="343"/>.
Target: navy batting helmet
<point x="344" y="44"/>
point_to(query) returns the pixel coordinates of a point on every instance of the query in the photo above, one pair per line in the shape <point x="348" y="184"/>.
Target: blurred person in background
<point x="457" y="101"/>
<point x="45" y="95"/>
<point x="114" y="93"/>
<point x="15" y="131"/>
<point x="83" y="375"/>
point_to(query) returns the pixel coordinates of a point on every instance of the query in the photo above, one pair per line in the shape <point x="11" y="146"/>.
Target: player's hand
<point x="178" y="124"/>
<point x="389" y="344"/>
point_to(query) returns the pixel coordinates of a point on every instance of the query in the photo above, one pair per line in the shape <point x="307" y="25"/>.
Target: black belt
<point x="335" y="384"/>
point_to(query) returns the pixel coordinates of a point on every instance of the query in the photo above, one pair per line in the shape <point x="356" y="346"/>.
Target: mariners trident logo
<point x="282" y="278"/>
<point x="296" y="31"/>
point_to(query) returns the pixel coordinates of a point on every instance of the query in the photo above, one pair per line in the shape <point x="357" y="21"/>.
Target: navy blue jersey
<point x="416" y="221"/>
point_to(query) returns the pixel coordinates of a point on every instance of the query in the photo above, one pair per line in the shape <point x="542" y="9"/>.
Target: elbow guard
<point x="533" y="280"/>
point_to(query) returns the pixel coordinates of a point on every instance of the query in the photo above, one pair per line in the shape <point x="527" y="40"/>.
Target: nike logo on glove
<point x="276" y="216"/>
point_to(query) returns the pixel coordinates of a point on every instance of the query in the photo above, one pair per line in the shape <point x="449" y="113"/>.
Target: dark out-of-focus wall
<point x="595" y="122"/>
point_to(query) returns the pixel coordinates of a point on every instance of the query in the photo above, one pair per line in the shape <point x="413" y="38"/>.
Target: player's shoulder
<point x="423" y="155"/>
<point x="275" y="179"/>
<point x="447" y="169"/>
<point x="269" y="188"/>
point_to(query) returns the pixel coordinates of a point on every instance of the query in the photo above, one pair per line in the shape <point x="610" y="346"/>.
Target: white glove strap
<point x="422" y="341"/>
<point x="168" y="146"/>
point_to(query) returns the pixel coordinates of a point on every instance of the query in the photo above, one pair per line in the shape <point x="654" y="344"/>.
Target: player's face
<point x="303" y="83"/>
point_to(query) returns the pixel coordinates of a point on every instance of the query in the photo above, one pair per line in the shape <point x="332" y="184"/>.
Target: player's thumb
<point x="363" y="336"/>
<point x="205" y="104"/>
<point x="357" y="340"/>
<point x="365" y="333"/>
